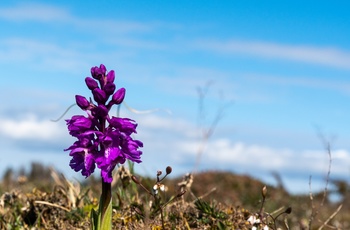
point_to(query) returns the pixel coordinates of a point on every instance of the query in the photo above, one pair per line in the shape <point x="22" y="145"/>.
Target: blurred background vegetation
<point x="25" y="193"/>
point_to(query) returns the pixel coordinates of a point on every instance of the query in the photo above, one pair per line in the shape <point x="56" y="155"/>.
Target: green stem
<point x="106" y="197"/>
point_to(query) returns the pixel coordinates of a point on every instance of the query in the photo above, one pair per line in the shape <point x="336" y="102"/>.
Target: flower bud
<point x="118" y="96"/>
<point x="264" y="191"/>
<point x="109" y="88"/>
<point x="91" y="83"/>
<point x="168" y="170"/>
<point x="98" y="73"/>
<point x="110" y="76"/>
<point x="159" y="173"/>
<point x="82" y="102"/>
<point x="95" y="73"/>
<point x="99" y="96"/>
<point x="288" y="210"/>
<point x="103" y="69"/>
<point x="100" y="111"/>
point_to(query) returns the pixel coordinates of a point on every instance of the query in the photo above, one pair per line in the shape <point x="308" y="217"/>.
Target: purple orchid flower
<point x="102" y="140"/>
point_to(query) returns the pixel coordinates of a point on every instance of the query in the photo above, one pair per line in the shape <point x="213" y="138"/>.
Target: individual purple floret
<point x="102" y="140"/>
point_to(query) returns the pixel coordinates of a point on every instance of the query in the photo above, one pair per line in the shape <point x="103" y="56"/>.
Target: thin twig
<point x="331" y="217"/>
<point x="327" y="146"/>
<point x="313" y="212"/>
<point x="277" y="210"/>
<point x="328" y="174"/>
<point x="207" y="132"/>
<point x="207" y="193"/>
<point x="50" y="204"/>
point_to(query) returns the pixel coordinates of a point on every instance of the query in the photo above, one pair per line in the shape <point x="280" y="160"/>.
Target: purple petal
<point x="89" y="163"/>
<point x="125" y="125"/>
<point x="78" y="124"/>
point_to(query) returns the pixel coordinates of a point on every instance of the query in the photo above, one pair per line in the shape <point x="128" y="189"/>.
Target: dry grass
<point x="213" y="200"/>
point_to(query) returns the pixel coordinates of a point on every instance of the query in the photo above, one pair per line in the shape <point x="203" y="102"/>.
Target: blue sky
<point x="283" y="68"/>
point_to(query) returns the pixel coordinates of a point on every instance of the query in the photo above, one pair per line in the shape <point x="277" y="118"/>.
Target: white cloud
<point x="153" y="121"/>
<point x="294" y="167"/>
<point x="29" y="127"/>
<point x="112" y="27"/>
<point x="45" y="13"/>
<point x="54" y="56"/>
<point x="327" y="56"/>
<point x="42" y="55"/>
<point x="334" y="84"/>
<point x="34" y="12"/>
<point x="137" y="43"/>
<point x="225" y="152"/>
<point x="228" y="154"/>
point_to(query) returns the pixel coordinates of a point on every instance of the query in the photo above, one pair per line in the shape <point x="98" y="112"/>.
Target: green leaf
<point x="97" y="222"/>
<point x="94" y="219"/>
<point x="106" y="222"/>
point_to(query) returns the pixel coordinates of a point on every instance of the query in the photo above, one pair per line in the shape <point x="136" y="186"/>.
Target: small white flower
<point x="157" y="187"/>
<point x="253" y="220"/>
